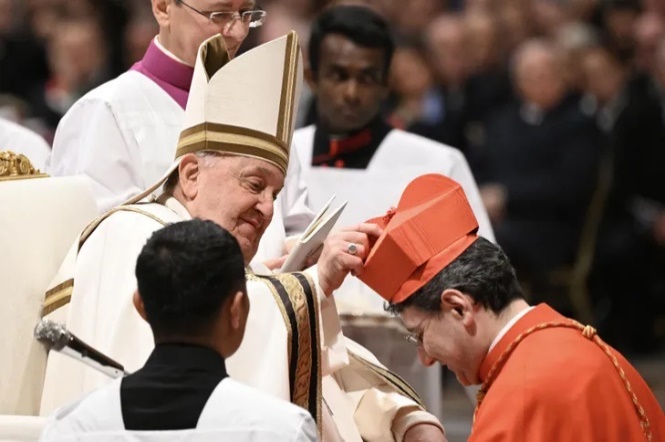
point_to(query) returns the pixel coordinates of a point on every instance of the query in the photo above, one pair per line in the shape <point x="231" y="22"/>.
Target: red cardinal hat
<point x="431" y="226"/>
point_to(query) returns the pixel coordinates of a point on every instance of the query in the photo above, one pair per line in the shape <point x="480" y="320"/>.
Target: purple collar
<point x="172" y="76"/>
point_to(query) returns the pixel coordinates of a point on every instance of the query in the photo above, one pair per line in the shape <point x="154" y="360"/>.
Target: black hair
<point x="360" y="24"/>
<point x="185" y="273"/>
<point x="482" y="271"/>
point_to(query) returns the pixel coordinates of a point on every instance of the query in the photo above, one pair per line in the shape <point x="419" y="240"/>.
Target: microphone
<point x="56" y="337"/>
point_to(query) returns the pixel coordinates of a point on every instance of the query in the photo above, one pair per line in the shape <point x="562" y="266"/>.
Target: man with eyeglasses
<point x="543" y="377"/>
<point x="123" y="134"/>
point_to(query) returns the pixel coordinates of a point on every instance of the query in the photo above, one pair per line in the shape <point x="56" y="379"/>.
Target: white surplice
<point x="233" y="412"/>
<point x="123" y="136"/>
<point x="370" y="192"/>
<point x="359" y="405"/>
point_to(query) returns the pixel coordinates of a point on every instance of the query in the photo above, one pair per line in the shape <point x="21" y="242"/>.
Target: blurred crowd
<point x="558" y="105"/>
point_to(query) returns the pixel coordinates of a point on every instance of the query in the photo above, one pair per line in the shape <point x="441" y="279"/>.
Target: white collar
<point x="173" y="204"/>
<point x="167" y="52"/>
<point x="508" y="326"/>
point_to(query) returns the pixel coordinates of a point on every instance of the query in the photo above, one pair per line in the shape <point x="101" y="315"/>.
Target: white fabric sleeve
<point x="307" y="431"/>
<point x="91" y="141"/>
<point x="296" y="211"/>
<point x="333" y="346"/>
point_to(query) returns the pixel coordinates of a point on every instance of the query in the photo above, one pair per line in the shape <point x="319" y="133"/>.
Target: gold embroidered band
<point x="296" y="298"/>
<point x="390" y="378"/>
<point x="61" y="294"/>
<point x="236" y="140"/>
<point x="289" y="84"/>
<point x="57" y="297"/>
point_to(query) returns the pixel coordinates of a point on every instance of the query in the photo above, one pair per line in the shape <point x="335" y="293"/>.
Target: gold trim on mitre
<point x="234" y="140"/>
<point x="214" y="56"/>
<point x="286" y="119"/>
<point x="16" y="166"/>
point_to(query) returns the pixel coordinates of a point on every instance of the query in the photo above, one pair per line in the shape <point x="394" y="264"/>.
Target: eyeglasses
<point x="249" y="19"/>
<point x="417" y="338"/>
<point x="414" y="339"/>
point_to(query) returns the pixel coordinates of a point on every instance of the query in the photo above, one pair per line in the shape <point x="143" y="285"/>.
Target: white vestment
<point x="359" y="405"/>
<point x="21" y="140"/>
<point x="123" y="136"/>
<point x="233" y="412"/>
<point x="370" y="192"/>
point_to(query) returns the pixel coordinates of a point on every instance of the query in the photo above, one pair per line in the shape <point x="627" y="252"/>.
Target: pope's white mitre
<point x="242" y="106"/>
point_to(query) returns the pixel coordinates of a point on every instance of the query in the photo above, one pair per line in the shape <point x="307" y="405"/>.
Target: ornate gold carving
<point x="16" y="166"/>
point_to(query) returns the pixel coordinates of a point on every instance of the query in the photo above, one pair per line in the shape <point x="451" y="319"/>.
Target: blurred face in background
<point x="299" y="8"/>
<point x="573" y="40"/>
<point x="412" y="16"/>
<point x="182" y="30"/>
<point x="620" y="24"/>
<point x="603" y="75"/>
<point x="538" y="74"/>
<point x="76" y="52"/>
<point x="548" y="16"/>
<point x="656" y="6"/>
<point x="43" y="22"/>
<point x="6" y="16"/>
<point x="515" y="26"/>
<point x="350" y="84"/>
<point x="482" y="37"/>
<point x="649" y="30"/>
<point x="447" y="46"/>
<point x="410" y="75"/>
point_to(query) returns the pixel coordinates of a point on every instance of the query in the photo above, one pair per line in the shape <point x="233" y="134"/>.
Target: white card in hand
<point x="314" y="236"/>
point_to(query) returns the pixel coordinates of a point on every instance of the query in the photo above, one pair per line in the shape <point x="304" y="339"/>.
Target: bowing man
<point x="543" y="377"/>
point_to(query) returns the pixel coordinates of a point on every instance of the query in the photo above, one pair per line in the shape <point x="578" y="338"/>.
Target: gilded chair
<point x="40" y="217"/>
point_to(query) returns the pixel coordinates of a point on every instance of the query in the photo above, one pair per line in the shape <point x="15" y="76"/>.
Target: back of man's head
<point x="360" y="24"/>
<point x="186" y="273"/>
<point x="482" y="271"/>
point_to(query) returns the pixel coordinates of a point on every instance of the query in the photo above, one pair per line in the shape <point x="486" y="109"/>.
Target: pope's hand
<point x="344" y="253"/>
<point x="424" y="433"/>
<point x="275" y="263"/>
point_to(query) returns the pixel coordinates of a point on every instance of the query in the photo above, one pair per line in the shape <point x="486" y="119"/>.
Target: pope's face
<point x="445" y="338"/>
<point x="238" y="193"/>
<point x="187" y="28"/>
